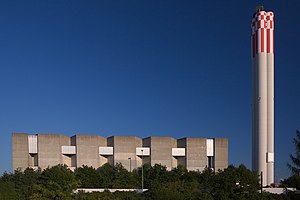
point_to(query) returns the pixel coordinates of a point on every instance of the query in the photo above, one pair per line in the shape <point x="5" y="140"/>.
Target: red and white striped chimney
<point x="263" y="95"/>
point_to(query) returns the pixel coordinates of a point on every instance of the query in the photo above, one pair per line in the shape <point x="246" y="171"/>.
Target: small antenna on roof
<point x="259" y="8"/>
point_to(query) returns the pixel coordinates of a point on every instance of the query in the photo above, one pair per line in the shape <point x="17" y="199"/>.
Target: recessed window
<point x="210" y="162"/>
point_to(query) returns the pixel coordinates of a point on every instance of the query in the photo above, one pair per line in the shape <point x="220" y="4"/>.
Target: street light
<point x="142" y="170"/>
<point x="129" y="164"/>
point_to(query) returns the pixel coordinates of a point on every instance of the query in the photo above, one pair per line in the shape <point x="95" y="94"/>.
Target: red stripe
<point x="271" y="24"/>
<point x="268" y="40"/>
<point x="260" y="24"/>
<point x="262" y="40"/>
<point x="273" y="47"/>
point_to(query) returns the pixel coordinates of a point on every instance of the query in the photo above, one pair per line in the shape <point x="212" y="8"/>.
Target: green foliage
<point x="207" y="180"/>
<point x="295" y="166"/>
<point x="21" y="182"/>
<point x="123" y="178"/>
<point x="109" y="196"/>
<point x="174" y="190"/>
<point x="116" y="177"/>
<point x="107" y="174"/>
<point x="7" y="190"/>
<point x="57" y="182"/>
<point x="269" y="196"/>
<point x="18" y="185"/>
<point x="25" y="182"/>
<point x="88" y="177"/>
<point x="293" y="181"/>
<point x="7" y="177"/>
<point x="236" y="183"/>
<point x="153" y="175"/>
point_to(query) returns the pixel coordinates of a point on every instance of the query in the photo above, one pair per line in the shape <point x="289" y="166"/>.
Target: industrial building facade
<point x="46" y="150"/>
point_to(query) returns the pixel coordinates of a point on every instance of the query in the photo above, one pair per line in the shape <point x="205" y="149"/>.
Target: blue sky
<point x="141" y="68"/>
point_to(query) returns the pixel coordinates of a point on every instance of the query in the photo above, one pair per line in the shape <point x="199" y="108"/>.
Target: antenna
<point x="259" y="8"/>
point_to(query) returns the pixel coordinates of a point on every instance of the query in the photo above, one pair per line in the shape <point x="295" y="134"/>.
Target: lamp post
<point x="142" y="170"/>
<point x="129" y="164"/>
<point x="261" y="185"/>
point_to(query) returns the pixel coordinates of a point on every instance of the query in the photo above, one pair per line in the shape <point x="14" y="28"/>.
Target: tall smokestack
<point x="263" y="94"/>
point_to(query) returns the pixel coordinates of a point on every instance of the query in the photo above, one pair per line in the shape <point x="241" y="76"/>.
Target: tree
<point x="155" y="175"/>
<point x="57" y="182"/>
<point x="7" y="190"/>
<point x="236" y="183"/>
<point x="22" y="181"/>
<point x="107" y="174"/>
<point x="295" y="166"/>
<point x="206" y="179"/>
<point x="88" y="177"/>
<point x="123" y="178"/>
<point x="293" y="181"/>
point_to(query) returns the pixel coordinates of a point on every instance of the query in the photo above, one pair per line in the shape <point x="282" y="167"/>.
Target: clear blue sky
<point x="141" y="68"/>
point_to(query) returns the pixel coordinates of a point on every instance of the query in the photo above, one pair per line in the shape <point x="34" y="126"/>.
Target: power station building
<point x="263" y="94"/>
<point x="46" y="150"/>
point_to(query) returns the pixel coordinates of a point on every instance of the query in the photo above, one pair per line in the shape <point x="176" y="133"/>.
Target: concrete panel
<point x="178" y="152"/>
<point x="125" y="148"/>
<point x="49" y="149"/>
<point x="88" y="150"/>
<point x="161" y="151"/>
<point x="143" y="151"/>
<point x="68" y="150"/>
<point x="221" y="153"/>
<point x="106" y="151"/>
<point x="181" y="143"/>
<point x="20" y="154"/>
<point x="210" y="147"/>
<point x="33" y="160"/>
<point x="146" y="160"/>
<point x="196" y="155"/>
<point x="32" y="144"/>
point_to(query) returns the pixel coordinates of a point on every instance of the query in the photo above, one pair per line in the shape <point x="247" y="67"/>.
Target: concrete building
<point x="263" y="94"/>
<point x="46" y="150"/>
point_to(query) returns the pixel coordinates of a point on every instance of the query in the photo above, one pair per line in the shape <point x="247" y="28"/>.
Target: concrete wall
<point x="161" y="150"/>
<point x="125" y="148"/>
<point x="20" y="155"/>
<point x="195" y="158"/>
<point x="221" y="153"/>
<point x="87" y="147"/>
<point x="49" y="150"/>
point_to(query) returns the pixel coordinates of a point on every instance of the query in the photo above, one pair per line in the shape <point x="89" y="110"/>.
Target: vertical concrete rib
<point x="270" y="164"/>
<point x="270" y="68"/>
<point x="254" y="103"/>
<point x="262" y="115"/>
<point x="20" y="154"/>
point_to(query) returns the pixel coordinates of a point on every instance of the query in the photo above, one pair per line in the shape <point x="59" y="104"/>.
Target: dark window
<point x="211" y="163"/>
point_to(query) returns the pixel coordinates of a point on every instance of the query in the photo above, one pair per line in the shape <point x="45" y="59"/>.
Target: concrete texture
<point x="20" y="155"/>
<point x="49" y="150"/>
<point x="161" y="150"/>
<point x="221" y="153"/>
<point x="125" y="148"/>
<point x="81" y="150"/>
<point x="196" y="158"/>
<point x="88" y="150"/>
